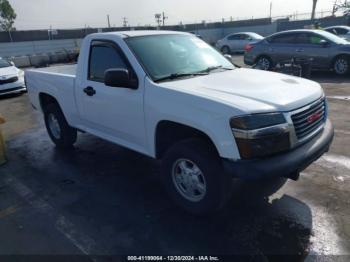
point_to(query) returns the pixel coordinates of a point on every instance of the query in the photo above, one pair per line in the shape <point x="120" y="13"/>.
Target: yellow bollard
<point x="2" y="144"/>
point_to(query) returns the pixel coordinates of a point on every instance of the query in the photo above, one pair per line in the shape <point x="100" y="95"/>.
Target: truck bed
<point x="67" y="70"/>
<point x="57" y="82"/>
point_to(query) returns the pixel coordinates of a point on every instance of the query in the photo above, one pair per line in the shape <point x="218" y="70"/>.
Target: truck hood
<point x="8" y="71"/>
<point x="252" y="90"/>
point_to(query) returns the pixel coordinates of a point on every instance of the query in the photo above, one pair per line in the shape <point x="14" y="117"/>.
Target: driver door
<point x="115" y="113"/>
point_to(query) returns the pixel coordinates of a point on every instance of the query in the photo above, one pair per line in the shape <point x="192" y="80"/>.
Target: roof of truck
<point x="135" y="33"/>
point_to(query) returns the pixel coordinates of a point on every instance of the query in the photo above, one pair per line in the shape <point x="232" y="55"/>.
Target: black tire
<point x="225" y="50"/>
<point x="264" y="63"/>
<point x="341" y="65"/>
<point x="218" y="184"/>
<point x="67" y="135"/>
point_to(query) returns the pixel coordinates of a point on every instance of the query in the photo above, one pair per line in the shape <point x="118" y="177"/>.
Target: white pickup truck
<point x="171" y="96"/>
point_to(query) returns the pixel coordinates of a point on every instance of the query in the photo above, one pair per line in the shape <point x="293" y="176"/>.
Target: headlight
<point x="21" y="74"/>
<point x="260" y="135"/>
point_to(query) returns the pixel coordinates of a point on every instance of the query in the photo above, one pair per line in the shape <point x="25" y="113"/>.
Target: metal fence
<point x="291" y="21"/>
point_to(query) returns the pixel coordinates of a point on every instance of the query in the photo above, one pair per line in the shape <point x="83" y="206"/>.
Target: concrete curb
<point x="41" y="60"/>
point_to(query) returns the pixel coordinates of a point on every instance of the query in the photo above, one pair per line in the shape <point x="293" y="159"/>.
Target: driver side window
<point x="104" y="56"/>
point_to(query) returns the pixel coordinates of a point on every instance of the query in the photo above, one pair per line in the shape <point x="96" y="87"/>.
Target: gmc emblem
<point x="313" y="118"/>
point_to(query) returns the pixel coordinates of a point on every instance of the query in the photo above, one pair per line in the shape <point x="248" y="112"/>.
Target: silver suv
<point x="325" y="50"/>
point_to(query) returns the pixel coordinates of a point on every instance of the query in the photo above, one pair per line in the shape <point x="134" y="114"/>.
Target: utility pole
<point x="108" y="21"/>
<point x="271" y="9"/>
<point x="164" y="18"/>
<point x="125" y="22"/>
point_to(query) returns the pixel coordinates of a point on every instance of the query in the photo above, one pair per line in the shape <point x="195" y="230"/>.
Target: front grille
<point x="310" y="119"/>
<point x="9" y="80"/>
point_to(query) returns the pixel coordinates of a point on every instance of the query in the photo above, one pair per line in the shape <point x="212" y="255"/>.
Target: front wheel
<point x="193" y="177"/>
<point x="59" y="131"/>
<point x="341" y="65"/>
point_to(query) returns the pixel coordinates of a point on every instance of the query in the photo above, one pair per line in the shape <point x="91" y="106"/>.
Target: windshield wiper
<point x="178" y="75"/>
<point x="213" y="68"/>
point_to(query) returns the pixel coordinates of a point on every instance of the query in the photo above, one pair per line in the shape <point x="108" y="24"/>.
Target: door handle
<point x="90" y="91"/>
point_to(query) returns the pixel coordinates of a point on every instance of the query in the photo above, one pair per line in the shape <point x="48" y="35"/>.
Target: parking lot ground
<point x="101" y="199"/>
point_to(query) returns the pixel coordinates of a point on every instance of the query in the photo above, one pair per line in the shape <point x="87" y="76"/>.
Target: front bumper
<point x="12" y="88"/>
<point x="249" y="59"/>
<point x="288" y="164"/>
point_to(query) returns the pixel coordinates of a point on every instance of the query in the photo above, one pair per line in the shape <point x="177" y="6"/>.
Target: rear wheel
<point x="193" y="177"/>
<point x="341" y="65"/>
<point x="264" y="63"/>
<point x="225" y="50"/>
<point x="59" y="131"/>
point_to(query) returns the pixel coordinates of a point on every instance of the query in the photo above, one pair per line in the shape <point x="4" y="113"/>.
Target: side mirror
<point x="117" y="77"/>
<point x="228" y="57"/>
<point x="324" y="43"/>
<point x="12" y="63"/>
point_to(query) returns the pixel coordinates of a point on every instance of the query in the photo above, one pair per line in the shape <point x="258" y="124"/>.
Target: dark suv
<point x="325" y="50"/>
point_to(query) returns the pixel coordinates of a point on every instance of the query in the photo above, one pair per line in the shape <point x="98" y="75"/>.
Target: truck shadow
<point x="115" y="196"/>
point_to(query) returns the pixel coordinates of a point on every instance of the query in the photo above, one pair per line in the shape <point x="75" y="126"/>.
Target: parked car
<point x="196" y="34"/>
<point x="11" y="78"/>
<point x="341" y="31"/>
<point x="327" y="51"/>
<point x="206" y="120"/>
<point x="236" y="42"/>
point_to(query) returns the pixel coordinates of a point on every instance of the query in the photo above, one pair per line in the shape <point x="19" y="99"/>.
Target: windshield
<point x="4" y="63"/>
<point x="333" y="38"/>
<point x="166" y="55"/>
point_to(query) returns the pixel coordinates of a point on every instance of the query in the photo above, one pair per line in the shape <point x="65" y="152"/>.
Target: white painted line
<point x="84" y="243"/>
<point x="344" y="132"/>
<point x="340" y="97"/>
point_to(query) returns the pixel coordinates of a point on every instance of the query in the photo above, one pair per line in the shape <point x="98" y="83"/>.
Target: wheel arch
<point x="167" y="133"/>
<point x="46" y="99"/>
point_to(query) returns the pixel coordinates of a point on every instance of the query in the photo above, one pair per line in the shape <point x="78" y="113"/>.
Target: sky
<point x="61" y="14"/>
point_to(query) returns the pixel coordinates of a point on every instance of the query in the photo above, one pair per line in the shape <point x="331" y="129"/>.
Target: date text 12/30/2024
<point x="173" y="258"/>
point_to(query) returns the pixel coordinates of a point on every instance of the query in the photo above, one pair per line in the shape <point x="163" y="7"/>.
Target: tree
<point x="343" y="6"/>
<point x="7" y="16"/>
<point x="314" y="4"/>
